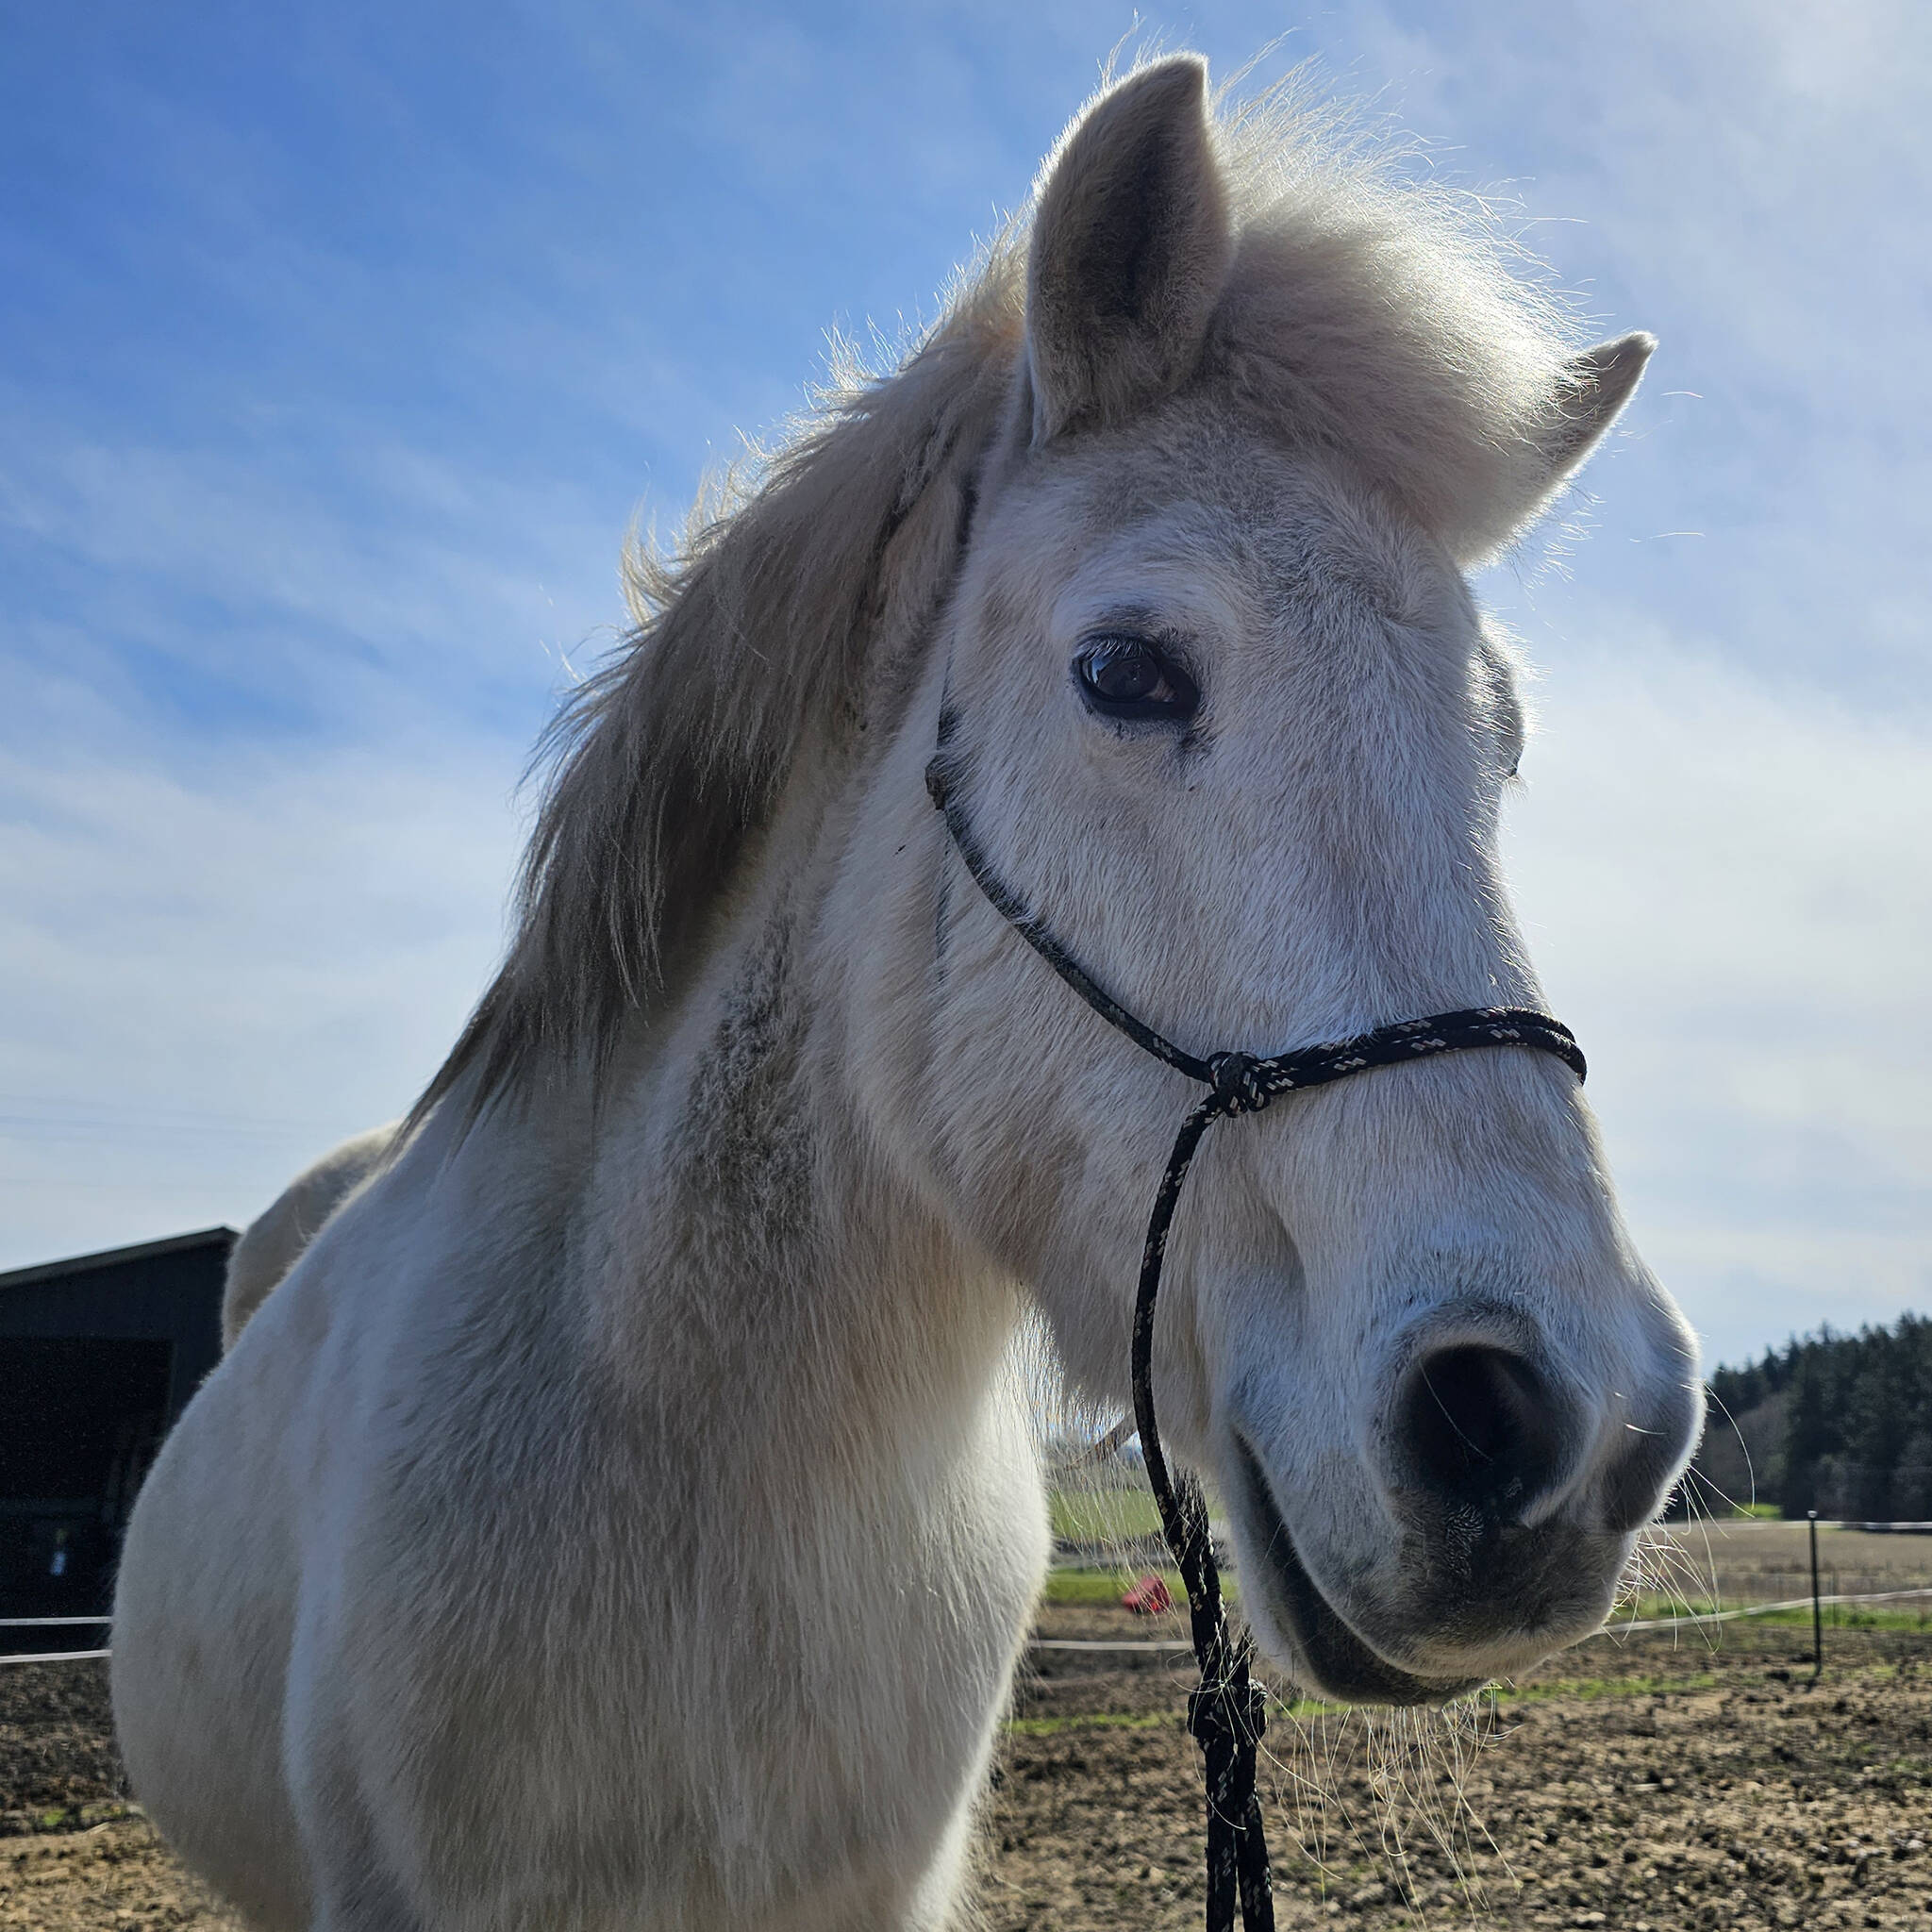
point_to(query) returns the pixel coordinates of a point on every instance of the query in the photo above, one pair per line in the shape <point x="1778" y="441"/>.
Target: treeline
<point x="1839" y="1424"/>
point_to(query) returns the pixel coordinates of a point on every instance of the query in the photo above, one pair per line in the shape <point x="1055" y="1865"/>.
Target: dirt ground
<point x="73" y="1856"/>
<point x="1649" y="1784"/>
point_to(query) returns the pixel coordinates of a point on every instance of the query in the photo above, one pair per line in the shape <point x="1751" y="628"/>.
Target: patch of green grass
<point x="1843" y="1617"/>
<point x="1100" y="1586"/>
<point x="1588" y="1689"/>
<point x="79" y="1815"/>
<point x="1593" y="1689"/>
<point x="1106" y="1515"/>
<point x="1092" y="1721"/>
<point x="1871" y="1620"/>
<point x="1108" y="1586"/>
<point x="1092" y="1516"/>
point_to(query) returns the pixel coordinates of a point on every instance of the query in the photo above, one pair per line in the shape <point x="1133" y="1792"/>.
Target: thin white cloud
<point x="1725" y="888"/>
<point x="438" y="575"/>
<point x="210" y="982"/>
<point x="1749" y="182"/>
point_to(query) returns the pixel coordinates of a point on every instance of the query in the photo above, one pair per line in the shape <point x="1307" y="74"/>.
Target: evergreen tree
<point x="1857" y="1420"/>
<point x="1807" y="1439"/>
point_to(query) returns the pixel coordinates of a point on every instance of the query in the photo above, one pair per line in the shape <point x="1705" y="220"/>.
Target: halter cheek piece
<point x="1227" y="1713"/>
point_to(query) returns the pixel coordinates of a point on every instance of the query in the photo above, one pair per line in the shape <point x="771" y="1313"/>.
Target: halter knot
<point x="1238" y="1082"/>
<point x="1234" y="1714"/>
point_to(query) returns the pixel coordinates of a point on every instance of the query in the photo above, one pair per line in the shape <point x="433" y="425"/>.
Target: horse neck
<point x="755" y="1265"/>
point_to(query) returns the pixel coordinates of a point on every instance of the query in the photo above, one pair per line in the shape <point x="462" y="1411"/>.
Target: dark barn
<point x="98" y="1354"/>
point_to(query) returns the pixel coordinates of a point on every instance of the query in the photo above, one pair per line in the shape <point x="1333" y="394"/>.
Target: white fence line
<point x="1690" y="1621"/>
<point x="1790" y="1603"/>
<point x="1108" y="1644"/>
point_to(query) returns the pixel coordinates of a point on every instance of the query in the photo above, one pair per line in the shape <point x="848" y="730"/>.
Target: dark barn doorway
<point x="84" y="1420"/>
<point x="98" y="1355"/>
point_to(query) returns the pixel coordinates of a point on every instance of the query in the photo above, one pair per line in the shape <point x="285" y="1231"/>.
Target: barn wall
<point x="98" y="1357"/>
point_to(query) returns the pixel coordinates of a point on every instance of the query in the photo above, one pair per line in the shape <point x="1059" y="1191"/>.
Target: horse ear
<point x="1130" y="250"/>
<point x="1591" y="390"/>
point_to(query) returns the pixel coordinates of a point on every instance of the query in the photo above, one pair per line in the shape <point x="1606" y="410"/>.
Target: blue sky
<point x="339" y="350"/>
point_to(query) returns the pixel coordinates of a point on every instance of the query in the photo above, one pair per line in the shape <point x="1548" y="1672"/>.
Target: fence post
<point x="1817" y="1616"/>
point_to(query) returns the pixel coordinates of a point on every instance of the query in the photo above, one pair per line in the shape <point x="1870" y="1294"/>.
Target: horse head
<point x="1219" y="704"/>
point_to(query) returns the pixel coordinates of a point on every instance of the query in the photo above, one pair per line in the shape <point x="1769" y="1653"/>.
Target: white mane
<point x="1367" y="309"/>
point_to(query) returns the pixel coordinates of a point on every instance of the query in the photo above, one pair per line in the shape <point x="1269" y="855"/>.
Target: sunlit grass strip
<point x="1590" y="1690"/>
<point x="1105" y="1515"/>
<point x="1094" y="1516"/>
<point x="1106" y="1585"/>
<point x="1093" y="1721"/>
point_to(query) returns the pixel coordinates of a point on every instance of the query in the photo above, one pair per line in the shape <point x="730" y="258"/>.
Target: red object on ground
<point x="1148" y="1598"/>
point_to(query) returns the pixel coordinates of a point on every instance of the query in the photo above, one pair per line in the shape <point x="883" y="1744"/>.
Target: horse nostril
<point x="1478" y="1429"/>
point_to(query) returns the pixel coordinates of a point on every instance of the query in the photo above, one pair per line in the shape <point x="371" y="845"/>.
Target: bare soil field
<point x="1651" y="1783"/>
<point x="1654" y="1782"/>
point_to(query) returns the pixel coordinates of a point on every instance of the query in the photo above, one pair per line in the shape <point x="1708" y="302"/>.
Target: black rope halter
<point x="1227" y="1713"/>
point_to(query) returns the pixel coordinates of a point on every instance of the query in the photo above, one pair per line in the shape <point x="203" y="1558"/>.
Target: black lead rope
<point x="1227" y="1714"/>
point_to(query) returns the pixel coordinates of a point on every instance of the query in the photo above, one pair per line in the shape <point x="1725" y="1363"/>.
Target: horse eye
<point x="1127" y="677"/>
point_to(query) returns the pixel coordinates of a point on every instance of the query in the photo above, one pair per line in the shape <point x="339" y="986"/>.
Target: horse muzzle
<point x="1492" y="1525"/>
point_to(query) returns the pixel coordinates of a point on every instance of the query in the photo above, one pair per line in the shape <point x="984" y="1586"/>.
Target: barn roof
<point x="111" y="1258"/>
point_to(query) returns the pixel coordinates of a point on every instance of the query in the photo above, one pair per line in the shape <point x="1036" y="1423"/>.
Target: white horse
<point x="619" y="1518"/>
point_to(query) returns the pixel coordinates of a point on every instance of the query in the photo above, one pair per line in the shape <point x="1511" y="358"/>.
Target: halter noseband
<point x="1228" y="1712"/>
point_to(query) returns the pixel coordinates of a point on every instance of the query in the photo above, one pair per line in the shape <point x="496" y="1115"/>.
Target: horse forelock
<point x="1367" y="309"/>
